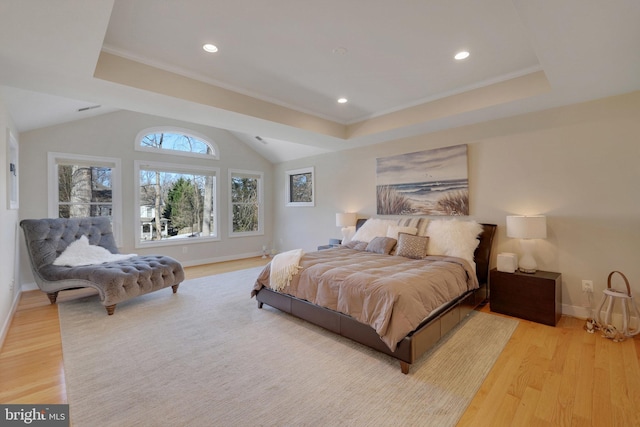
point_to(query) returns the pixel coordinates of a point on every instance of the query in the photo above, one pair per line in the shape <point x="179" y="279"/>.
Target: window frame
<point x="215" y="155"/>
<point x="53" y="209"/>
<point x="301" y="171"/>
<point x="249" y="173"/>
<point x="13" y="172"/>
<point x="175" y="168"/>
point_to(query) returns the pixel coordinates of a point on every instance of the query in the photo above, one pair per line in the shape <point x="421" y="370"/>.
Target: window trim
<point x="300" y="171"/>
<point x="13" y="172"/>
<point x="55" y="158"/>
<point x="176" y="130"/>
<point x="174" y="168"/>
<point x="260" y="231"/>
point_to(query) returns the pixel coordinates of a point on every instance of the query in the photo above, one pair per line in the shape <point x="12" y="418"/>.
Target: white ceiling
<point x="291" y="53"/>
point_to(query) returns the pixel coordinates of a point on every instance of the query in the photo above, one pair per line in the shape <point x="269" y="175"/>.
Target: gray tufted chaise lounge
<point x="115" y="281"/>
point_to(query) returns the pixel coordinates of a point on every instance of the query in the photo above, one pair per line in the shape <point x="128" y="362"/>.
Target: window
<point x="84" y="186"/>
<point x="177" y="142"/>
<point x="300" y="187"/>
<point x="175" y="203"/>
<point x="245" y="204"/>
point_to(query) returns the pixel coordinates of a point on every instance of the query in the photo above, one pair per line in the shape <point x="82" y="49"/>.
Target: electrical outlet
<point x="587" y="286"/>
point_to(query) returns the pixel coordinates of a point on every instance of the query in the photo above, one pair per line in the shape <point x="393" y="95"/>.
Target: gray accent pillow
<point x="411" y="246"/>
<point x="381" y="245"/>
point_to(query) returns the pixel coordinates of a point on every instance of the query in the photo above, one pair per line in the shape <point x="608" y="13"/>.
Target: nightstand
<point x="536" y="297"/>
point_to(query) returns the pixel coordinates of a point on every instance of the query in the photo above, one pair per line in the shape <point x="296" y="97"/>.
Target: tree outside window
<point x="85" y="186"/>
<point x="300" y="187"/>
<point x="176" y="142"/>
<point x="176" y="200"/>
<point x="84" y="191"/>
<point x="246" y="202"/>
<point x="176" y="204"/>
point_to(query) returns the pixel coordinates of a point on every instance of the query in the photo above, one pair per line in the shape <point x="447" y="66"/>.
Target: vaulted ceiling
<point x="281" y="65"/>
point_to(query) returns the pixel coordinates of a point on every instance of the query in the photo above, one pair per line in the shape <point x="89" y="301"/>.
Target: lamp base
<point x="527" y="263"/>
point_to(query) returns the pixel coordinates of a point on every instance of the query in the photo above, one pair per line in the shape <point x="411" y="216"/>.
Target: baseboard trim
<point x="221" y="259"/>
<point x="587" y="313"/>
<point x="575" y="311"/>
<point x="29" y="287"/>
<point x="7" y="322"/>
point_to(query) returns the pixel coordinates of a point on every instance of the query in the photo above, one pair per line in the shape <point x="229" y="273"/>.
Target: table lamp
<point x="527" y="229"/>
<point x="345" y="221"/>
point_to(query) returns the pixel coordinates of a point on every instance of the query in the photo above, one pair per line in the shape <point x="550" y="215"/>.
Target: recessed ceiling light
<point x="211" y="48"/>
<point x="462" y="55"/>
<point x="342" y="100"/>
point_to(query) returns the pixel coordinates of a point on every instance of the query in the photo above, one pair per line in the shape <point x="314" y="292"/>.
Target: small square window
<point x="300" y="187"/>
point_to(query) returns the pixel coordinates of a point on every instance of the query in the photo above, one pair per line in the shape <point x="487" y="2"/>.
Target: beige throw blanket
<point x="283" y="267"/>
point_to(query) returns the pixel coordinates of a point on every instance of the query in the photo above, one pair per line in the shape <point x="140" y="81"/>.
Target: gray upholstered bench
<point x="115" y="281"/>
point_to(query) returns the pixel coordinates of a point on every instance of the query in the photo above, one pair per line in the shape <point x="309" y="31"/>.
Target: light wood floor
<point x="545" y="376"/>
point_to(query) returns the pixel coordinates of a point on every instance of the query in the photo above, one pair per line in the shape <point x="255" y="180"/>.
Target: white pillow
<point x="453" y="238"/>
<point x="373" y="227"/>
<point x="348" y="233"/>
<point x="393" y="231"/>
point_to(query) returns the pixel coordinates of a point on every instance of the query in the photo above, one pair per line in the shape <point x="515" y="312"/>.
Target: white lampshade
<point x="345" y="219"/>
<point x="527" y="227"/>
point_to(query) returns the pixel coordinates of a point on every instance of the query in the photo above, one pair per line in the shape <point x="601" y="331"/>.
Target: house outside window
<point x="246" y="203"/>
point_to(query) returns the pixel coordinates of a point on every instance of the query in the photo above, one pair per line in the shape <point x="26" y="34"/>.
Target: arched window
<point x="176" y="142"/>
<point x="177" y="199"/>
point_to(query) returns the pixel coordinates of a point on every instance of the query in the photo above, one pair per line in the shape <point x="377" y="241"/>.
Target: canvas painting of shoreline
<point x="431" y="182"/>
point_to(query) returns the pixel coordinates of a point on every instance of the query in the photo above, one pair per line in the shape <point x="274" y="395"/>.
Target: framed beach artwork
<point x="431" y="182"/>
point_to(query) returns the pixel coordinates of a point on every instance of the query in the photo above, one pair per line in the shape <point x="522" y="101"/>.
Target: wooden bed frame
<point x="417" y="342"/>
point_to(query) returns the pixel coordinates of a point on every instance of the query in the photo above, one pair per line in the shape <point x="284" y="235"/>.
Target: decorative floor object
<point x="208" y="356"/>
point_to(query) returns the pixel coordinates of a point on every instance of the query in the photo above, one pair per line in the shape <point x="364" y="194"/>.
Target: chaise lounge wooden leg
<point x="259" y="304"/>
<point x="175" y="288"/>
<point x="110" y="309"/>
<point x="404" y="367"/>
<point x="53" y="296"/>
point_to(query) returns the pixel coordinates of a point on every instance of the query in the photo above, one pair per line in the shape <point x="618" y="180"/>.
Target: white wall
<point x="579" y="165"/>
<point x="8" y="223"/>
<point x="113" y="135"/>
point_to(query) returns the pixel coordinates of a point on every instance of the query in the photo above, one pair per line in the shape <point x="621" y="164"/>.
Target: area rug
<point x="207" y="356"/>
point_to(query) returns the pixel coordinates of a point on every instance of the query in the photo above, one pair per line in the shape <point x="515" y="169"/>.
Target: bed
<point x="354" y="292"/>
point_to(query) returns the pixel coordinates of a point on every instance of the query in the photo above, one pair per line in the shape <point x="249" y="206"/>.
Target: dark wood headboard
<point x="482" y="255"/>
<point x="360" y="222"/>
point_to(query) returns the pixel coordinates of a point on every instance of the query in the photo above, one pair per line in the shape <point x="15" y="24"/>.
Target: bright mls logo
<point x="35" y="415"/>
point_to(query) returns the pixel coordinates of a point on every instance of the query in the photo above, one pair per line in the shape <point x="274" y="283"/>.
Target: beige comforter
<point x="392" y="294"/>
